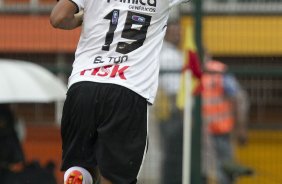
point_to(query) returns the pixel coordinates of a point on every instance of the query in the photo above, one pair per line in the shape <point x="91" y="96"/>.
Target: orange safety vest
<point x="217" y="109"/>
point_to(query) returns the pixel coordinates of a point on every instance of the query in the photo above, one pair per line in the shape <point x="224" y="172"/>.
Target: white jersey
<point x="120" y="43"/>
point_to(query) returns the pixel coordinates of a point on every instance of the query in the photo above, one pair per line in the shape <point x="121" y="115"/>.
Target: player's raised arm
<point x="64" y="15"/>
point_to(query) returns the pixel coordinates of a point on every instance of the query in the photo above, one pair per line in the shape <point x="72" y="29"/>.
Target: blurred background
<point x="242" y="35"/>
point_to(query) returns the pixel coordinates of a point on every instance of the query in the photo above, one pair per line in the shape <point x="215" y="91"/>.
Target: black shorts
<point x="104" y="125"/>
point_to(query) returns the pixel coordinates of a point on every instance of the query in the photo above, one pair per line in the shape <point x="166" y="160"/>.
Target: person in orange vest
<point x="220" y="96"/>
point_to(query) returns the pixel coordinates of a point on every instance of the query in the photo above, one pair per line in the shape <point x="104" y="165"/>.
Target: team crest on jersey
<point x="115" y="17"/>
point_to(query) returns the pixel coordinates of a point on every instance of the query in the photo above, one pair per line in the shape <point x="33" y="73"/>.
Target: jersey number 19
<point x="141" y="23"/>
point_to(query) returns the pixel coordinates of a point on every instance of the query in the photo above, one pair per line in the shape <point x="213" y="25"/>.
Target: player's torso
<point x="121" y="41"/>
<point x="114" y="28"/>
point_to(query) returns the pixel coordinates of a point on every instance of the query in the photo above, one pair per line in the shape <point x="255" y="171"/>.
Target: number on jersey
<point x="135" y="28"/>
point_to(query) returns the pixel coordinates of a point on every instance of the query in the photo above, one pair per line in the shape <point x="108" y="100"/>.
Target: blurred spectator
<point x="169" y="116"/>
<point x="10" y="150"/>
<point x="224" y="103"/>
<point x="13" y="167"/>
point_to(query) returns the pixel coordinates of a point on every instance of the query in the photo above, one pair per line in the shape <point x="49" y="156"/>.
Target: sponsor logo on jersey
<point x="137" y="2"/>
<point x="138" y="18"/>
<point x="142" y="8"/>
<point x="112" y="71"/>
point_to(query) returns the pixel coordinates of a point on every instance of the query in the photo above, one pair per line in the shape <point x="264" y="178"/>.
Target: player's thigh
<point x="122" y="137"/>
<point x="78" y="129"/>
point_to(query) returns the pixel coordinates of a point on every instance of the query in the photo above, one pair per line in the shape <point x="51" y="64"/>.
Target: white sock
<point x="87" y="178"/>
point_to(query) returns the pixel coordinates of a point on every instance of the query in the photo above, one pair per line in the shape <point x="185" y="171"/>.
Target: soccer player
<point x="114" y="78"/>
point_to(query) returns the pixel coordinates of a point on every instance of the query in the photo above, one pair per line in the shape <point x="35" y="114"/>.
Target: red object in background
<point x="193" y="64"/>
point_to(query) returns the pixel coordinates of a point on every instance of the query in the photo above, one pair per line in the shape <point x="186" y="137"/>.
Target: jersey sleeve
<point x="79" y="4"/>
<point x="176" y="2"/>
